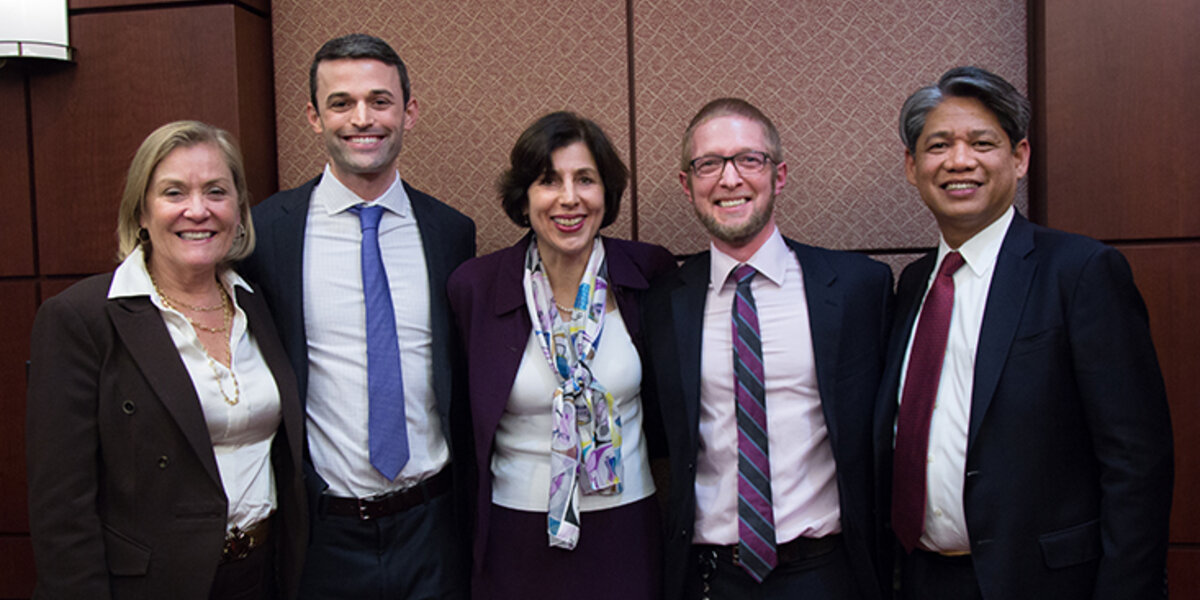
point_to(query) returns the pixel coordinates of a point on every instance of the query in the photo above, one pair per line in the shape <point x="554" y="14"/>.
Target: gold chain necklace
<point x="227" y="305"/>
<point x="212" y="365"/>
<point x="172" y="303"/>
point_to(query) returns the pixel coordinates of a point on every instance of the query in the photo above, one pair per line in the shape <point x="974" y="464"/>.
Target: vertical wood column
<point x="1115" y="105"/>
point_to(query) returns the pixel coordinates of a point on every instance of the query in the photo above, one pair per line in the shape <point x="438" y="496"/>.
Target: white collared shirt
<point x="945" y="520"/>
<point x="242" y="433"/>
<point x="804" y="491"/>
<point x="335" y="326"/>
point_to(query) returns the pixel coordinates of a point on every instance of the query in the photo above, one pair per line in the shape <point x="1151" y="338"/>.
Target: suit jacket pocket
<point x="1036" y="341"/>
<point x="1071" y="546"/>
<point x="125" y="556"/>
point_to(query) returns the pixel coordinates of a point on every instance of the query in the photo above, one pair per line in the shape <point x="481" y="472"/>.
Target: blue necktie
<point x="756" y="520"/>
<point x="386" y="430"/>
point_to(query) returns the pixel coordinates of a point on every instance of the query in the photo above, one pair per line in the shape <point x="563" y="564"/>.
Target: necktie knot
<point x="368" y="215"/>
<point x="951" y="264"/>
<point x="743" y="274"/>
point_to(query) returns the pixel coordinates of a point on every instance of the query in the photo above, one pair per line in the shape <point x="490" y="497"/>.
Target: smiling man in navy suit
<point x="383" y="522"/>
<point x="1023" y="436"/>
<point x="766" y="354"/>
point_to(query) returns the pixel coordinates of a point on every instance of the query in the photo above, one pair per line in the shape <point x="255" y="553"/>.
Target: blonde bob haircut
<point x="156" y="147"/>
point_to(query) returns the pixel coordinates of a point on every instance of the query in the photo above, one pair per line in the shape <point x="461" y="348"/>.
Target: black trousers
<point x="931" y="576"/>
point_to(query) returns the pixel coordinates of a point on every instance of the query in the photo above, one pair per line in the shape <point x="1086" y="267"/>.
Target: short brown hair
<point x="724" y="107"/>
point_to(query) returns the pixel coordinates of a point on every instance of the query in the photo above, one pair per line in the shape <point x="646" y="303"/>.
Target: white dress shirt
<point x="242" y="433"/>
<point x="945" y="520"/>
<point x="521" y="455"/>
<point x="804" y="493"/>
<point x="335" y="327"/>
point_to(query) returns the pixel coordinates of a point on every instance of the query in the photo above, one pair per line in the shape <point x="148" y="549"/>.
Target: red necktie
<point x="909" y="462"/>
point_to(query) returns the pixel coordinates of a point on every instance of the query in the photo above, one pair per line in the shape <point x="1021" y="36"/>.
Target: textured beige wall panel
<point x="480" y="71"/>
<point x="832" y="75"/>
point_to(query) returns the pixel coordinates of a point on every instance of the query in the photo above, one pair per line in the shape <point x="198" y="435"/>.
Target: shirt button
<point x="937" y="512"/>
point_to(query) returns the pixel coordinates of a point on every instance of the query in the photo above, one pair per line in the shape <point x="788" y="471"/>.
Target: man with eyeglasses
<point x="765" y="355"/>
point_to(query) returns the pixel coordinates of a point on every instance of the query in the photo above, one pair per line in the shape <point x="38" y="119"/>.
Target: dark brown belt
<point x="239" y="542"/>
<point x="798" y="549"/>
<point x="388" y="504"/>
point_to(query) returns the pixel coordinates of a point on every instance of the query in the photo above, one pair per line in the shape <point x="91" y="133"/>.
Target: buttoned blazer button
<point x="163" y="461"/>
<point x="128" y="407"/>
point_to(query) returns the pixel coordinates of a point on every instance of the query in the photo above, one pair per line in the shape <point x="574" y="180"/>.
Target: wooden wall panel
<point x="1183" y="574"/>
<point x="255" y="127"/>
<point x="89" y="120"/>
<point x="1120" y="114"/>
<point x="16" y="228"/>
<point x="16" y="567"/>
<point x="19" y="299"/>
<point x="1166" y="275"/>
<point x="261" y="5"/>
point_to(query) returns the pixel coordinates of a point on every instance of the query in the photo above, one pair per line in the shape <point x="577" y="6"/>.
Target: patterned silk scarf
<point x="587" y="431"/>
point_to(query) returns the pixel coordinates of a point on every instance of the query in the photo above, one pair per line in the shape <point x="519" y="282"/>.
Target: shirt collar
<point x="132" y="279"/>
<point x="981" y="250"/>
<point x="771" y="260"/>
<point x="335" y="197"/>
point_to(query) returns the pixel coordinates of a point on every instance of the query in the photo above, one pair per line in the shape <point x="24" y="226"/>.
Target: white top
<point x="803" y="473"/>
<point x="521" y="453"/>
<point x="241" y="434"/>
<point x="335" y="325"/>
<point x="945" y="520"/>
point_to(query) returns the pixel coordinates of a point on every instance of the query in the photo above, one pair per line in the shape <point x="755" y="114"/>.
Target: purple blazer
<point x="488" y="301"/>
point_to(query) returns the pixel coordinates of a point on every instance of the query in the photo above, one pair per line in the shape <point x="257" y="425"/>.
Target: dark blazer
<point x="488" y="298"/>
<point x="849" y="302"/>
<point x="277" y="267"/>
<point x="125" y="500"/>
<point x="1069" y="455"/>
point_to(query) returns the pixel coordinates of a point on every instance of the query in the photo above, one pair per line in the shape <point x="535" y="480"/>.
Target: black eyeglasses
<point x="710" y="165"/>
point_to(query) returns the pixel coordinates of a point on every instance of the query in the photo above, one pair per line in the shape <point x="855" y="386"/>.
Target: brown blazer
<point x="125" y="500"/>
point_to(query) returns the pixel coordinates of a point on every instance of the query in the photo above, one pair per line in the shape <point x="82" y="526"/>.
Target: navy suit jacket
<point x="1069" y="457"/>
<point x="488" y="298"/>
<point x="849" y="305"/>
<point x="277" y="267"/>
<point x="125" y="499"/>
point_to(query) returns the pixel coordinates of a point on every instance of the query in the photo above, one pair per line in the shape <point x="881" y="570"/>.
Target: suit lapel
<point x="909" y="294"/>
<point x="825" y="322"/>
<point x="144" y="335"/>
<point x="687" y="308"/>
<point x="287" y="246"/>
<point x="1006" y="301"/>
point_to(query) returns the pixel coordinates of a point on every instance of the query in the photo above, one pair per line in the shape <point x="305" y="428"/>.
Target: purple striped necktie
<point x="909" y="461"/>
<point x="756" y="521"/>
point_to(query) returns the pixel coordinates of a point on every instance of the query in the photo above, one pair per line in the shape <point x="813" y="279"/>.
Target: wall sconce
<point x="34" y="29"/>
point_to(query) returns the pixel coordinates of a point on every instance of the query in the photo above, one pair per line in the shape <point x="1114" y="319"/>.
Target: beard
<point x="737" y="234"/>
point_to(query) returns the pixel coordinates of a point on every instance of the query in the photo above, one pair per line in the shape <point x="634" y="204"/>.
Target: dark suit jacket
<point x="277" y="267"/>
<point x="849" y="303"/>
<point x="488" y="299"/>
<point x="1069" y="457"/>
<point x="125" y="500"/>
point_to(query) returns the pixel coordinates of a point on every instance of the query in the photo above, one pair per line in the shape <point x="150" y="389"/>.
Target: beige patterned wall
<point x="830" y="73"/>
